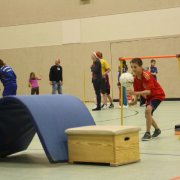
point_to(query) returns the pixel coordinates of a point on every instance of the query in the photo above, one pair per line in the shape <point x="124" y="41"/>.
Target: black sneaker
<point x="156" y="133"/>
<point x="102" y="106"/>
<point x="146" y="137"/>
<point x="111" y="105"/>
<point x="96" y="109"/>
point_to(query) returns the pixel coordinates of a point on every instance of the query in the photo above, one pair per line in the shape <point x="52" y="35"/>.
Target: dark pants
<point x="142" y="101"/>
<point x="154" y="103"/>
<point x="103" y="86"/>
<point x="97" y="88"/>
<point x="35" y="91"/>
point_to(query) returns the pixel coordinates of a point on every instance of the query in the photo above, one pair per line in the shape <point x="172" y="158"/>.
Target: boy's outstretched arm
<point x="134" y="98"/>
<point x="139" y="93"/>
<point x="136" y="94"/>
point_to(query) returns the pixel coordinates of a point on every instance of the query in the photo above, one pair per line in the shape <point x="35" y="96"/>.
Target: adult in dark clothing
<point x="96" y="80"/>
<point x="56" y="77"/>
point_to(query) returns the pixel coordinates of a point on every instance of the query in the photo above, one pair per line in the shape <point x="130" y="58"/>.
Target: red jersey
<point x="148" y="82"/>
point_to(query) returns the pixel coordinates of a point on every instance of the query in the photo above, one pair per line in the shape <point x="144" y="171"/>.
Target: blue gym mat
<point x="48" y="115"/>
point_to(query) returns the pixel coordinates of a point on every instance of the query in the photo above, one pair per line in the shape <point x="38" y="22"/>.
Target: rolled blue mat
<point x="48" y="115"/>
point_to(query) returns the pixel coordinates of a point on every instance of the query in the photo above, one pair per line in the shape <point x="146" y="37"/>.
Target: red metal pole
<point x="149" y="57"/>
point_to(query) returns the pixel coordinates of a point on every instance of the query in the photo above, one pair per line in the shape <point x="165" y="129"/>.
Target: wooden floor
<point x="160" y="158"/>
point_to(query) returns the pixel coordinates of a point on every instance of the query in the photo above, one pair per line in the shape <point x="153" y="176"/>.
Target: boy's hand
<point x="132" y="102"/>
<point x="61" y="83"/>
<point x="130" y="92"/>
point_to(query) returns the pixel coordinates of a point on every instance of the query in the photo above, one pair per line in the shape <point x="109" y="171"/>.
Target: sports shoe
<point x="102" y="105"/>
<point x="111" y="105"/>
<point x="146" y="137"/>
<point x="96" y="109"/>
<point x="156" y="133"/>
<point x="105" y="106"/>
<point x="124" y="106"/>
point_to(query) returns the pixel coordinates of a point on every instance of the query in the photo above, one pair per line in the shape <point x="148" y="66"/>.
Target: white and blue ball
<point x="126" y="80"/>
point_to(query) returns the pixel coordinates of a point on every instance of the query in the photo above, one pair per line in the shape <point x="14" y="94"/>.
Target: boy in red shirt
<point x="145" y="85"/>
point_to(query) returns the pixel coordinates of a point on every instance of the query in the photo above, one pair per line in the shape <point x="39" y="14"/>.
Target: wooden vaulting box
<point x="116" y="145"/>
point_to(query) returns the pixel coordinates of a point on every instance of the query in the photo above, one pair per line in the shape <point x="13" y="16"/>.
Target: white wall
<point x="33" y="35"/>
<point x="105" y="28"/>
<point x="131" y="25"/>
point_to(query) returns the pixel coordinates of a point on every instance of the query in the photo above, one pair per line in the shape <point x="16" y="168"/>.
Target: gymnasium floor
<point x="160" y="158"/>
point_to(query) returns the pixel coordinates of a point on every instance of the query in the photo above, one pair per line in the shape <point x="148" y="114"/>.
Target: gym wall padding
<point x="48" y="115"/>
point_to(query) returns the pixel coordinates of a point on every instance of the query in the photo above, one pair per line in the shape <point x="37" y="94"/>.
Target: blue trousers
<point x="56" y="87"/>
<point x="9" y="90"/>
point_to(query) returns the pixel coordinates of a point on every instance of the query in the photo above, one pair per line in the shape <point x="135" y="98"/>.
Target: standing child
<point x="124" y="70"/>
<point x="145" y="85"/>
<point x="153" y="69"/>
<point x="33" y="83"/>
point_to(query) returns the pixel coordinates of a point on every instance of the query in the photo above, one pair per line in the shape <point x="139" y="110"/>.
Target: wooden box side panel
<point x="127" y="148"/>
<point x="91" y="148"/>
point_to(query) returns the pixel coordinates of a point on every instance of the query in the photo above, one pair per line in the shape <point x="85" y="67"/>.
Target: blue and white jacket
<point x="7" y="76"/>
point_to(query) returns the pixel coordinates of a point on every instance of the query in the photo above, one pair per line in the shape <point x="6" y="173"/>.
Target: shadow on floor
<point x="29" y="160"/>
